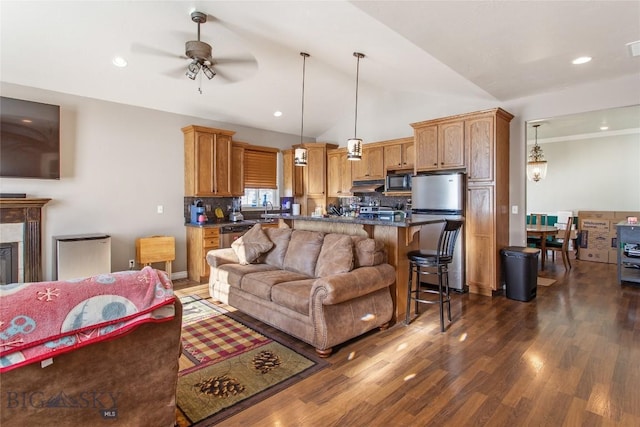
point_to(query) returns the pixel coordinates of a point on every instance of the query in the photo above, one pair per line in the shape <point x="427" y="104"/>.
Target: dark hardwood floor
<point x="569" y="357"/>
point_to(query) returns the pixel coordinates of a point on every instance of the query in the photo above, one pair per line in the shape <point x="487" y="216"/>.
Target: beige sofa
<point x="322" y="288"/>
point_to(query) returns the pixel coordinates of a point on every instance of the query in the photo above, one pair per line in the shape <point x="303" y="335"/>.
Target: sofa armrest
<point x="342" y="287"/>
<point x="218" y="257"/>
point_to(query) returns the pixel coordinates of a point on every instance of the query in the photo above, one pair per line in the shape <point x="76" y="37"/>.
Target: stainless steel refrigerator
<point x="441" y="195"/>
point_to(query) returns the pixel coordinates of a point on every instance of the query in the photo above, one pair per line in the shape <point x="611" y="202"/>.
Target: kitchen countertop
<point x="226" y="223"/>
<point x="413" y="220"/>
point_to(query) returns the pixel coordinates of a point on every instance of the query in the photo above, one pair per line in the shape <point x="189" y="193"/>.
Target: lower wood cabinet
<point x="200" y="240"/>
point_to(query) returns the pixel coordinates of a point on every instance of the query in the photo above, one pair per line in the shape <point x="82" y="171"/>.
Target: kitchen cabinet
<point x="480" y="149"/>
<point x="200" y="240"/>
<point x="399" y="154"/>
<point x="628" y="239"/>
<point x="207" y="161"/>
<point x="315" y="176"/>
<point x="292" y="177"/>
<point x="339" y="181"/>
<point x="237" y="170"/>
<point x="439" y="146"/>
<point x="371" y="166"/>
<point x="477" y="143"/>
<point x="487" y="210"/>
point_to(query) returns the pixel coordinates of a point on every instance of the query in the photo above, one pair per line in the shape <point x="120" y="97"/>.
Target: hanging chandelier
<point x="300" y="153"/>
<point x="536" y="166"/>
<point x="354" y="145"/>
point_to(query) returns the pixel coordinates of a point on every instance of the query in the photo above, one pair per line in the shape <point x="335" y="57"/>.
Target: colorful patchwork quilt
<point x="41" y="320"/>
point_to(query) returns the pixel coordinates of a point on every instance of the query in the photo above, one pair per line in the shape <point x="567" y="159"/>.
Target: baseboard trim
<point x="179" y="275"/>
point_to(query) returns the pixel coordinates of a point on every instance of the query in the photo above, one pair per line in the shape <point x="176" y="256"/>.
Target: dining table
<point x="542" y="231"/>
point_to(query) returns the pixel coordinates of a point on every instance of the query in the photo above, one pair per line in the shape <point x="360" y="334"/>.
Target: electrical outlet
<point x="132" y="264"/>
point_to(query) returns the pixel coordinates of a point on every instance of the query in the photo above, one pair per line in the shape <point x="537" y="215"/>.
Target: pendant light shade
<point x="300" y="153"/>
<point x="536" y="166"/>
<point x="354" y="145"/>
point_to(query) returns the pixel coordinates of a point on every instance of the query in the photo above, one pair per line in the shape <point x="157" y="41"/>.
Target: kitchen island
<point x="399" y="238"/>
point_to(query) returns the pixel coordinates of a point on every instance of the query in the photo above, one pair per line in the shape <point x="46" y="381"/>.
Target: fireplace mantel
<point x="29" y="212"/>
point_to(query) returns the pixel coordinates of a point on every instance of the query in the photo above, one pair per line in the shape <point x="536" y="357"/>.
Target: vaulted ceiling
<point x="475" y="52"/>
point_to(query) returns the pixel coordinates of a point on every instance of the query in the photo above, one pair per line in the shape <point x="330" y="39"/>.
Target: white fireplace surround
<point x="14" y="233"/>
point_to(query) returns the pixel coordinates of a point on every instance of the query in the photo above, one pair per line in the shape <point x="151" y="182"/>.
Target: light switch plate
<point x="514" y="209"/>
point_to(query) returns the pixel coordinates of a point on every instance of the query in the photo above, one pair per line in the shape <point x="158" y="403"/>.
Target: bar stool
<point x="433" y="262"/>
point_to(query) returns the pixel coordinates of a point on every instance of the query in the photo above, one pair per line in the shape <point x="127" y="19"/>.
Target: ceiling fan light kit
<point x="354" y="145"/>
<point x="199" y="51"/>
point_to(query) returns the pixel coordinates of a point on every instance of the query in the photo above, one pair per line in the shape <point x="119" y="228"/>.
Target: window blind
<point x="260" y="168"/>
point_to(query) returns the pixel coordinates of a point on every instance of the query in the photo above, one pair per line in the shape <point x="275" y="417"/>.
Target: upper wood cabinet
<point x="338" y="173"/>
<point x="316" y="170"/>
<point x="237" y="171"/>
<point x="207" y="161"/>
<point x="371" y="166"/>
<point x="439" y="146"/>
<point x="399" y="155"/>
<point x="480" y="142"/>
<point x="292" y="176"/>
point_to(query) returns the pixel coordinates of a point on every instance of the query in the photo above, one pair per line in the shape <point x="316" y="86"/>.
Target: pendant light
<point x="300" y="153"/>
<point x="536" y="166"/>
<point x="354" y="145"/>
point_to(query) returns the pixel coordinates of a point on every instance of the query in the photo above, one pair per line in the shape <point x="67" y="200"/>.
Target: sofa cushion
<point x="280" y="238"/>
<point x="260" y="283"/>
<point x="368" y="252"/>
<point x="293" y="295"/>
<point x="251" y="245"/>
<point x="302" y="253"/>
<point x="336" y="255"/>
<point x="232" y="274"/>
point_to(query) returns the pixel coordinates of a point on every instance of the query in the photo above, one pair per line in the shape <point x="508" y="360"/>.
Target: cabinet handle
<point x="435" y="164"/>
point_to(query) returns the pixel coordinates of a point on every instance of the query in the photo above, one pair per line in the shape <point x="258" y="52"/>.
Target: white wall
<point x="600" y="174"/>
<point x="118" y="164"/>
<point x="618" y="92"/>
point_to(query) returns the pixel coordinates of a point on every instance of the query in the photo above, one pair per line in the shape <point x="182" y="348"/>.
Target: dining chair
<point x="535" y="219"/>
<point x="562" y="245"/>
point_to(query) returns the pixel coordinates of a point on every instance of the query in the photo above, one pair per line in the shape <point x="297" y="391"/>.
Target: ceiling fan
<point x="201" y="61"/>
<point x="199" y="52"/>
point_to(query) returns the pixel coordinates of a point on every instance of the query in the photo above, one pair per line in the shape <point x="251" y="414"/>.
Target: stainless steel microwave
<point x="398" y="182"/>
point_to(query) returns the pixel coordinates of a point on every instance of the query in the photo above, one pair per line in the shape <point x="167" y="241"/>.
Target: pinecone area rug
<point x="228" y="365"/>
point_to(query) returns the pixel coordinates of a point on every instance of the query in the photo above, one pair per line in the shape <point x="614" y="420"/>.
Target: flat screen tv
<point x="29" y="139"/>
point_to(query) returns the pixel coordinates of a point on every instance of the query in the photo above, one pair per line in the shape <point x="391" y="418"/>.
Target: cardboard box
<point x="598" y="234"/>
<point x="594" y="255"/>
<point x="596" y="214"/>
<point x="595" y="237"/>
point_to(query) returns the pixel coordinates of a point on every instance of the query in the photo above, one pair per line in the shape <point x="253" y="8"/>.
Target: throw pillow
<point x="251" y="245"/>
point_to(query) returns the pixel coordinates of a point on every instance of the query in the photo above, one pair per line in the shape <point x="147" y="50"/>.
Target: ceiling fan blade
<point x="150" y="50"/>
<point x="177" y="72"/>
<point x="235" y="60"/>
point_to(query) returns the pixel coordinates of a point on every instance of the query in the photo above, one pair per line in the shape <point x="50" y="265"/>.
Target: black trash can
<point x="520" y="272"/>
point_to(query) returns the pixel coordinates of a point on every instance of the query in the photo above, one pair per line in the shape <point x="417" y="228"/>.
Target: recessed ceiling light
<point x="581" y="60"/>
<point x="119" y="61"/>
<point x="604" y="127"/>
<point x="277" y="114"/>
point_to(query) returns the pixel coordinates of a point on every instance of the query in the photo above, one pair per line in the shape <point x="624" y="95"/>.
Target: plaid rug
<point x="228" y="365"/>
